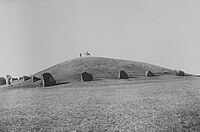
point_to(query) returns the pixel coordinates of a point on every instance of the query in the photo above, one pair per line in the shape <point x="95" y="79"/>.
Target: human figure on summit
<point x="87" y="54"/>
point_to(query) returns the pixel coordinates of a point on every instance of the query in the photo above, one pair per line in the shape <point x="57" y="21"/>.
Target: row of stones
<point x="48" y="79"/>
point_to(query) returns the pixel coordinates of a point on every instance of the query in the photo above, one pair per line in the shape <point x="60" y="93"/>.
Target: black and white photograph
<point x="99" y="66"/>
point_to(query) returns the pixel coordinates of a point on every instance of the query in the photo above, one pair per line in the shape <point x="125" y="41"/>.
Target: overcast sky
<point x="36" y="34"/>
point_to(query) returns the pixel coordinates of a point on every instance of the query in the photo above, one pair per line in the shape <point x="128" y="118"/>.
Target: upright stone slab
<point x="8" y="78"/>
<point x="179" y="73"/>
<point x="8" y="81"/>
<point x="48" y="80"/>
<point x="2" y="81"/>
<point x="86" y="77"/>
<point x="25" y="78"/>
<point x="149" y="74"/>
<point x="122" y="75"/>
<point x="35" y="79"/>
<point x="14" y="79"/>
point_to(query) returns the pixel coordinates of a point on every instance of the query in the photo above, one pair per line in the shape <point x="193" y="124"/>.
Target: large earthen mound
<point x="71" y="70"/>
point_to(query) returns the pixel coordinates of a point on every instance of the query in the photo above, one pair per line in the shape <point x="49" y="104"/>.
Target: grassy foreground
<point x="155" y="104"/>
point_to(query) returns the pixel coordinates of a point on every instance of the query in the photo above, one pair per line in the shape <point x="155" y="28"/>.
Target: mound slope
<point x="71" y="70"/>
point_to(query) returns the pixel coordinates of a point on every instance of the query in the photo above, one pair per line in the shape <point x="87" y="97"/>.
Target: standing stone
<point x="48" y="80"/>
<point x="86" y="77"/>
<point x="25" y="78"/>
<point x="14" y="79"/>
<point x="179" y="73"/>
<point x="122" y="75"/>
<point x="8" y="78"/>
<point x="149" y="74"/>
<point x="8" y="81"/>
<point x="2" y="81"/>
<point x="35" y="79"/>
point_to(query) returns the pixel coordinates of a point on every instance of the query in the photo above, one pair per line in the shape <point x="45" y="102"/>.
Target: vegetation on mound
<point x="100" y="68"/>
<point x="107" y="68"/>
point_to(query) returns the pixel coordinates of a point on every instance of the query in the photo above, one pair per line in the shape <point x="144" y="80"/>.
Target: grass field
<point x="165" y="103"/>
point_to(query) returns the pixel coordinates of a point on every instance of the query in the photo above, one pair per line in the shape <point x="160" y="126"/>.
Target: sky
<point x="37" y="34"/>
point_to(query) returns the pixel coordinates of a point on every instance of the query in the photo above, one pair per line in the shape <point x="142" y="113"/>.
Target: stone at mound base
<point x="179" y="73"/>
<point x="25" y="78"/>
<point x="86" y="77"/>
<point x="149" y="74"/>
<point x="122" y="75"/>
<point x="14" y="79"/>
<point x="48" y="80"/>
<point x="2" y="81"/>
<point x="35" y="79"/>
<point x="8" y="78"/>
<point x="8" y="81"/>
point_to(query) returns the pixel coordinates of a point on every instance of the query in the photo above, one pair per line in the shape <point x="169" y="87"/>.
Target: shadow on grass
<point x="61" y="83"/>
<point x="57" y="84"/>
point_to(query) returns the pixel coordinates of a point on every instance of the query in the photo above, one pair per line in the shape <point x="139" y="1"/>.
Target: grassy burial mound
<point x="98" y="67"/>
<point x="71" y="70"/>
